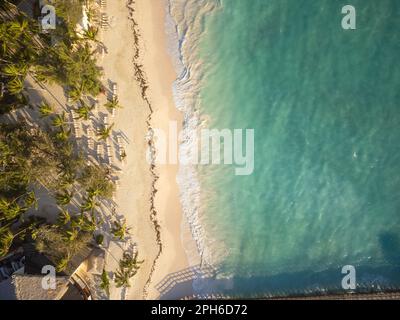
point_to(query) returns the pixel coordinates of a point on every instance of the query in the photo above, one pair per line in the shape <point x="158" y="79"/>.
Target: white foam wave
<point x="184" y="27"/>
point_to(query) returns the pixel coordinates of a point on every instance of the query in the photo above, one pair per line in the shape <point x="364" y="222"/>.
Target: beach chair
<point x="117" y="184"/>
<point x="75" y="124"/>
<point x="99" y="152"/>
<point x="90" y="132"/>
<point x="109" y="155"/>
<point x="121" y="150"/>
<point x="104" y="21"/>
<point x="103" y="4"/>
<point x="77" y="130"/>
<point x="90" y="141"/>
<point x="114" y="90"/>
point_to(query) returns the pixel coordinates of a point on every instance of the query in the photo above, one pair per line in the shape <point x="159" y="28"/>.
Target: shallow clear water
<point x="324" y="103"/>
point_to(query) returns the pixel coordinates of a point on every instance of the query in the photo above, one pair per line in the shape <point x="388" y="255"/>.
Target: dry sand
<point x="135" y="192"/>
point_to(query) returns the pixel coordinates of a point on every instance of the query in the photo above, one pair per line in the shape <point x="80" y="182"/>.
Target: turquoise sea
<point x="325" y="106"/>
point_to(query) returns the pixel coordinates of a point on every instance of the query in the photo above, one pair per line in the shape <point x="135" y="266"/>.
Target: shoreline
<point x="138" y="59"/>
<point x="167" y="215"/>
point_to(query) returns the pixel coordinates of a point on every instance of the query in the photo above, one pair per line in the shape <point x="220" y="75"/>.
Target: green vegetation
<point x="105" y="282"/>
<point x="128" y="267"/>
<point x="60" y="243"/>
<point x="43" y="156"/>
<point x="105" y="132"/>
<point x="64" y="198"/>
<point x="62" y="57"/>
<point x="45" y="110"/>
<point x="83" y="111"/>
<point x="120" y="230"/>
<point x="70" y="11"/>
<point x="33" y="157"/>
<point x="113" y="104"/>
<point x="99" y="239"/>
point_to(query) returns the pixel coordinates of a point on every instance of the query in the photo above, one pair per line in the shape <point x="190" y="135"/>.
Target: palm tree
<point x="45" y="110"/>
<point x="67" y="180"/>
<point x="105" y="132"/>
<point x="31" y="200"/>
<point x="5" y="154"/>
<point x="77" y="221"/>
<point x="84" y="111"/>
<point x="91" y="34"/>
<point x="63" y="263"/>
<point x="84" y="54"/>
<point x="64" y="217"/>
<point x="10" y="209"/>
<point x="128" y="267"/>
<point x="130" y="261"/>
<point x="15" y="70"/>
<point x="19" y="26"/>
<point x="59" y="120"/>
<point x="89" y="224"/>
<point x="93" y="192"/>
<point x="71" y="235"/>
<point x="89" y="204"/>
<point x="64" y="198"/>
<point x="62" y="135"/>
<point x="76" y="92"/>
<point x="113" y="104"/>
<point x="6" y="239"/>
<point x="15" y="86"/>
<point x="66" y="150"/>
<point x="105" y="282"/>
<point x="122" y="279"/>
<point x="120" y="230"/>
<point x="5" y="38"/>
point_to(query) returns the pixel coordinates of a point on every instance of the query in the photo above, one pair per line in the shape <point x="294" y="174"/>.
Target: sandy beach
<point x="137" y="178"/>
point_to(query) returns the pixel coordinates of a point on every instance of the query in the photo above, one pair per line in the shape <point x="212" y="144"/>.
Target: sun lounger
<point x="90" y="143"/>
<point x="104" y="21"/>
<point x="114" y="90"/>
<point x="90" y="132"/>
<point x="109" y="154"/>
<point x="99" y="152"/>
<point x="121" y="150"/>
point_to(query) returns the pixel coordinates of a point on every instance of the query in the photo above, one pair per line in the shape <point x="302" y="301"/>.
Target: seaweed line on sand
<point x="140" y="77"/>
